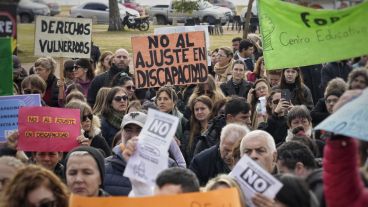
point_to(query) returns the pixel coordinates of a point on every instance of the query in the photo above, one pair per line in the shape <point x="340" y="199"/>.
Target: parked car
<point x="224" y="3"/>
<point x="99" y="11"/>
<point x="206" y="12"/>
<point x="28" y="10"/>
<point x="133" y="5"/>
<point x="53" y="6"/>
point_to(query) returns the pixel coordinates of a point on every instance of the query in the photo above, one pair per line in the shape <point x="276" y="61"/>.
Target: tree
<point x="114" y="16"/>
<point x="247" y="19"/>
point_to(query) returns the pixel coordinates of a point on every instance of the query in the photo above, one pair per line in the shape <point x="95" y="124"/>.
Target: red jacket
<point x="342" y="182"/>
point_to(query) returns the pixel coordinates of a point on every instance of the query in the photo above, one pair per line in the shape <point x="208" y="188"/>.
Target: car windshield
<point x="205" y="5"/>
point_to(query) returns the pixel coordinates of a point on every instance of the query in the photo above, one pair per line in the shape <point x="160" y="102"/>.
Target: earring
<point x="86" y="70"/>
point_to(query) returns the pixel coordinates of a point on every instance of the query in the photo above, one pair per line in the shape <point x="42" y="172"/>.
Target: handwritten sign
<point x="217" y="198"/>
<point x="63" y="37"/>
<point x="297" y="36"/>
<point x="175" y="59"/>
<point x="9" y="108"/>
<point x="154" y="141"/>
<point x="47" y="129"/>
<point x="8" y="22"/>
<point x="182" y="29"/>
<point x="254" y="179"/>
<point x="350" y="120"/>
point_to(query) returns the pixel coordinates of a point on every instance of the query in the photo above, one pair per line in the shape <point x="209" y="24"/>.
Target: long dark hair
<point x="195" y="126"/>
<point x="298" y="83"/>
<point x="107" y="108"/>
<point x="86" y="63"/>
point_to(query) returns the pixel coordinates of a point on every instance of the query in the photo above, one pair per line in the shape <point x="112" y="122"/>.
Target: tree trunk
<point x="247" y="19"/>
<point x="114" y="16"/>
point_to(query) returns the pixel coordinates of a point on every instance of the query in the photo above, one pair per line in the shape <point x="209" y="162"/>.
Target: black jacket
<point x="277" y="127"/>
<point x="333" y="70"/>
<point x="51" y="96"/>
<point x="319" y="112"/>
<point x="241" y="90"/>
<point x="312" y="79"/>
<point x="208" y="164"/>
<point x="102" y="80"/>
<point x="212" y="136"/>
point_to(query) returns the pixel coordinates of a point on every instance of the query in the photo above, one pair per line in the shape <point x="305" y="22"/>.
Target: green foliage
<point x="185" y="6"/>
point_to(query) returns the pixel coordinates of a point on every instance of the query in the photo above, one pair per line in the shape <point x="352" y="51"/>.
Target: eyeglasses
<point x="331" y="101"/>
<point x="89" y="116"/>
<point x="131" y="88"/>
<point x="220" y="55"/>
<point x="261" y="88"/>
<point x="276" y="101"/>
<point x="119" y="98"/>
<point x="76" y="67"/>
<point x="39" y="69"/>
<point x="30" y="91"/>
<point x="45" y="204"/>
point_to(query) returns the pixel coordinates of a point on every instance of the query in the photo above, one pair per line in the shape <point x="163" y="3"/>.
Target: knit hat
<point x="95" y="153"/>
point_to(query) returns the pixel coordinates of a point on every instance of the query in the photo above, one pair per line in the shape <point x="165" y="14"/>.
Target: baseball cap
<point x="136" y="117"/>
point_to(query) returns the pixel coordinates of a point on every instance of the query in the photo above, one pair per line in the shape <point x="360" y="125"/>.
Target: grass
<point x="105" y="40"/>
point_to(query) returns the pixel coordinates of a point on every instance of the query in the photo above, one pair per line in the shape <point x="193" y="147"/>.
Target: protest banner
<point x="48" y="129"/>
<point x="63" y="37"/>
<point x="181" y="29"/>
<point x="9" y="108"/>
<point x="8" y="23"/>
<point x="169" y="59"/>
<point x="298" y="36"/>
<point x="151" y="156"/>
<point x="254" y="179"/>
<point x="6" y="67"/>
<point x="216" y="198"/>
<point x="350" y="120"/>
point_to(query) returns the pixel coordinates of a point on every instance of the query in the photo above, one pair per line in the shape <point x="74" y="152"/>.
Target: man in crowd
<point x="237" y="85"/>
<point x="115" y="183"/>
<point x="120" y="63"/>
<point x="235" y="44"/>
<point x="245" y="53"/>
<point x="260" y="146"/>
<point x="219" y="158"/>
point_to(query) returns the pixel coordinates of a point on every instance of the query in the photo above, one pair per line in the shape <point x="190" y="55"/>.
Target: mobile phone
<point x="286" y="94"/>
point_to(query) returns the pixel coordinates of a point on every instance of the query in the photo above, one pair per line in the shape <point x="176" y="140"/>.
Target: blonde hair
<point x="46" y="62"/>
<point x="100" y="100"/>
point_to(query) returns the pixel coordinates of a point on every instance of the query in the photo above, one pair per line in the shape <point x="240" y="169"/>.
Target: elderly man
<point x="219" y="158"/>
<point x="120" y="63"/>
<point x="260" y="146"/>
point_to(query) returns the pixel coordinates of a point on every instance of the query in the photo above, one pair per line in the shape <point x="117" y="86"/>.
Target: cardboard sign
<point x="6" y="67"/>
<point x="170" y="59"/>
<point x="217" y="198"/>
<point x="151" y="156"/>
<point x="294" y="35"/>
<point x="9" y="108"/>
<point x="350" y="120"/>
<point x="63" y="37"/>
<point x="47" y="129"/>
<point x="254" y="179"/>
<point x="8" y="22"/>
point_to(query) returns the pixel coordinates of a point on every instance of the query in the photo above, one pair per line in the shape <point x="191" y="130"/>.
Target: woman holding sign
<point x="45" y="68"/>
<point x="113" y="111"/>
<point x="83" y="73"/>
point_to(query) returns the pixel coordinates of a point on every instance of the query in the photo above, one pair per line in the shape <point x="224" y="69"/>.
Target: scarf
<point x="115" y="119"/>
<point x="223" y="71"/>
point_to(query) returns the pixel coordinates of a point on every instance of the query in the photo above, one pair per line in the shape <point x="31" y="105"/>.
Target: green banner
<point x="6" y="67"/>
<point x="298" y="36"/>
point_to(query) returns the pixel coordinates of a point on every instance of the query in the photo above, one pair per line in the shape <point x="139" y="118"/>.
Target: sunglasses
<point x="119" y="98"/>
<point x="76" y="67"/>
<point x="45" y="204"/>
<point x="131" y="88"/>
<point x="89" y="116"/>
<point x="30" y="91"/>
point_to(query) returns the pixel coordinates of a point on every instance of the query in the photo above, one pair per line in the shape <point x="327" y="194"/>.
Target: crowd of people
<point x="242" y="109"/>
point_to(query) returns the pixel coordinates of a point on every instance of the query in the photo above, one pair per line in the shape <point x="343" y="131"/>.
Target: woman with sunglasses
<point x="125" y="81"/>
<point x="83" y="73"/>
<point x="90" y="124"/>
<point x="35" y="186"/>
<point x="113" y="111"/>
